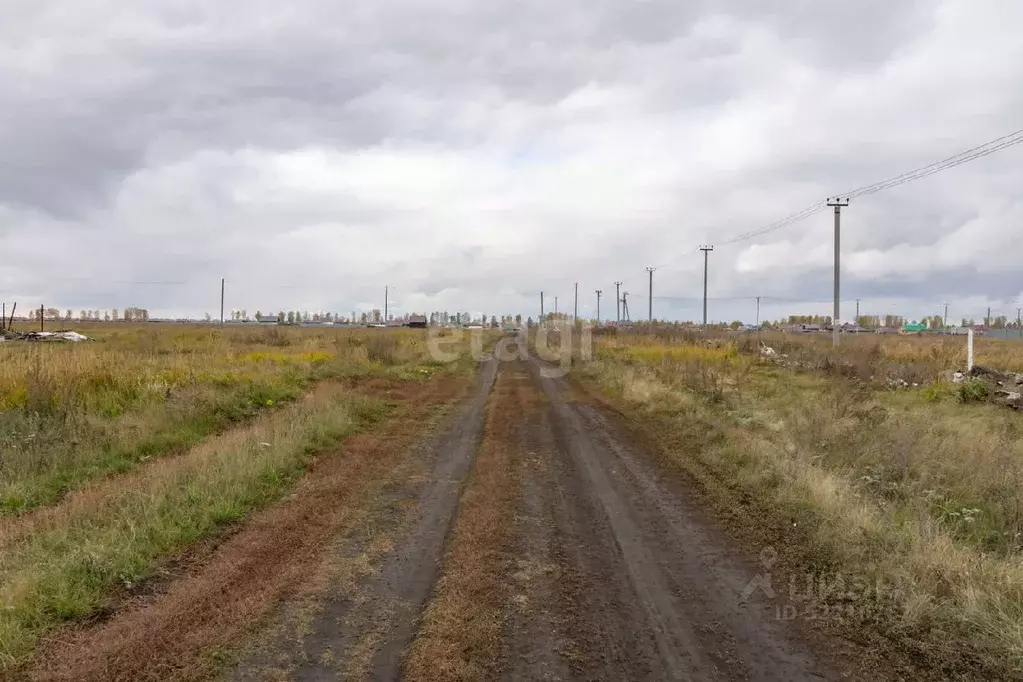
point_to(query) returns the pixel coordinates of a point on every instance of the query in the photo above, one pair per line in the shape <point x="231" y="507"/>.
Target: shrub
<point x="973" y="391"/>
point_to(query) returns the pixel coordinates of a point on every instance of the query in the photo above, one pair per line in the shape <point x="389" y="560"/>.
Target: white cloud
<point x="473" y="154"/>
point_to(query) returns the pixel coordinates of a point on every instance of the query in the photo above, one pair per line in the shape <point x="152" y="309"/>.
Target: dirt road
<point x="525" y="537"/>
<point x="562" y="554"/>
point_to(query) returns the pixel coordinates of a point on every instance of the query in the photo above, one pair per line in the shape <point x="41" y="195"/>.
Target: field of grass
<point x="73" y="412"/>
<point x="913" y="359"/>
<point x="120" y="453"/>
<point x="918" y="489"/>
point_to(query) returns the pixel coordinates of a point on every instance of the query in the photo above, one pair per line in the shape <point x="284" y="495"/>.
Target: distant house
<point x="416" y="321"/>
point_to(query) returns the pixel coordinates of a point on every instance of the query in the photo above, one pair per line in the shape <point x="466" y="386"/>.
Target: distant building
<point x="802" y="328"/>
<point x="416" y="321"/>
<point x="914" y="328"/>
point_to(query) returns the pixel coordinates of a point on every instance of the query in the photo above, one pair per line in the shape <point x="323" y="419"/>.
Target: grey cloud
<point x="137" y="142"/>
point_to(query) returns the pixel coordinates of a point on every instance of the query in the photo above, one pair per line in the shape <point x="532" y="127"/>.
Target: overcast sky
<point x="470" y="154"/>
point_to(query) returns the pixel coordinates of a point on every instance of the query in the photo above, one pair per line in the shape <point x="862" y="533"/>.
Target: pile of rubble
<point x="58" y="336"/>
<point x="1005" y="387"/>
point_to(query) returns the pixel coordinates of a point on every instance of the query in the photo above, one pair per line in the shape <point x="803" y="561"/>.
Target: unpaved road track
<point x="560" y="553"/>
<point x="527" y="538"/>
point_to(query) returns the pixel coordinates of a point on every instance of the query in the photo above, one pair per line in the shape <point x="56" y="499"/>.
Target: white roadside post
<point x="969" y="349"/>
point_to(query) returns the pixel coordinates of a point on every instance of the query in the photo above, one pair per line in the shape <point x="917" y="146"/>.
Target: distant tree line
<point x="114" y="314"/>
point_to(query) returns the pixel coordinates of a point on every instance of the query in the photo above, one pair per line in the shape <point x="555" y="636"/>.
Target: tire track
<point x="177" y="631"/>
<point x="360" y="631"/>
<point x="672" y="586"/>
<point x="461" y="630"/>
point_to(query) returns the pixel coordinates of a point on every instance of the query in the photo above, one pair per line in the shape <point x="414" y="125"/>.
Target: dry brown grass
<point x="70" y="413"/>
<point x="460" y="631"/>
<point x="85" y="533"/>
<point x="170" y="634"/>
<point x="925" y="495"/>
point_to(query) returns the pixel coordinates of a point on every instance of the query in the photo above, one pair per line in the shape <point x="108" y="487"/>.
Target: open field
<point x="73" y="412"/>
<point x="870" y="357"/>
<point x="123" y="453"/>
<point x="918" y="489"/>
<point x="674" y="507"/>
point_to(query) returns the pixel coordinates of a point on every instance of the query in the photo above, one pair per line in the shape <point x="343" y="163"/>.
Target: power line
<point x="991" y="147"/>
<point x="807" y="212"/>
<point x="977" y="152"/>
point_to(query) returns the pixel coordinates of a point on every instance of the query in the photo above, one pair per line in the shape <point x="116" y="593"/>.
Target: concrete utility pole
<point x="650" y="299"/>
<point x="599" y="292"/>
<point x="386" y="301"/>
<point x="706" y="252"/>
<point x="555" y="306"/>
<point x="221" y="300"/>
<point x="758" y="311"/>
<point x="987" y="320"/>
<point x="541" y="306"/>
<point x="575" y="307"/>
<point x="944" y="318"/>
<point x="838" y="203"/>
<point x="618" y="301"/>
<point x="857" y="320"/>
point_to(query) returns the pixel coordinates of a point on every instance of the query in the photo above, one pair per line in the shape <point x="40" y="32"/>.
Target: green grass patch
<point x="65" y="569"/>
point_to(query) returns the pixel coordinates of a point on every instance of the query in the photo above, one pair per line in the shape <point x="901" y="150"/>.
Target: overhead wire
<point x="977" y="152"/>
<point x="990" y="147"/>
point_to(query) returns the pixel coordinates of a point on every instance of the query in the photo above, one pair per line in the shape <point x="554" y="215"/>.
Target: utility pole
<point x="857" y="320"/>
<point x="541" y="306"/>
<point x="221" y="300"/>
<point x="650" y="299"/>
<point x="387" y="291"/>
<point x="987" y="320"/>
<point x="599" y="292"/>
<point x="758" y="311"/>
<point x="618" y="301"/>
<point x="625" y="305"/>
<point x="555" y="306"/>
<point x="944" y="318"/>
<point x="41" y="318"/>
<point x="575" y="307"/>
<point x="838" y="203"/>
<point x="706" y="252"/>
<point x="1019" y="327"/>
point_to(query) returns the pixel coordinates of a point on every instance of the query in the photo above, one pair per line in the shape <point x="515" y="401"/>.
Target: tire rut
<point x="362" y="633"/>
<point x="671" y="588"/>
